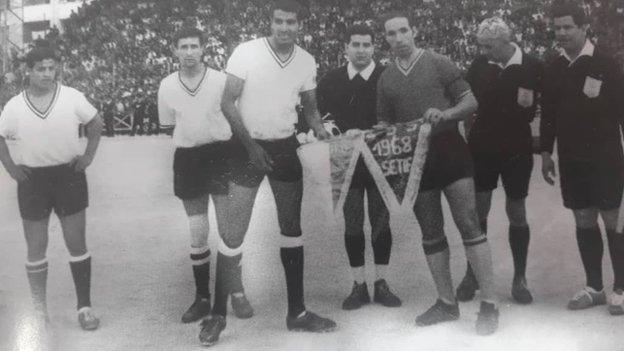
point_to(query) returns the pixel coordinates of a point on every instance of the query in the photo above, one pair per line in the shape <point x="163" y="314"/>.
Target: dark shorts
<point x="586" y="184"/>
<point x="448" y="161"/>
<point x="285" y="163"/>
<point x="57" y="187"/>
<point x="362" y="179"/>
<point x="200" y="170"/>
<point x="514" y="171"/>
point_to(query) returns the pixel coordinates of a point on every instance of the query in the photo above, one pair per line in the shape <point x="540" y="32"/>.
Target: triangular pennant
<point x="390" y="154"/>
<point x="344" y="153"/>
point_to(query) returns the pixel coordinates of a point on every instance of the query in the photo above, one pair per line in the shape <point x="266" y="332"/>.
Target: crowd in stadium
<point x="118" y="51"/>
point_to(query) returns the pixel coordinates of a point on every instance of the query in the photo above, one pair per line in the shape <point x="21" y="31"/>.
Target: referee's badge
<point x="592" y="87"/>
<point x="525" y="97"/>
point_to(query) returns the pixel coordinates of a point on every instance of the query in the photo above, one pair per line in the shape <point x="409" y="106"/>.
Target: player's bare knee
<point x="292" y="239"/>
<point x="586" y="218"/>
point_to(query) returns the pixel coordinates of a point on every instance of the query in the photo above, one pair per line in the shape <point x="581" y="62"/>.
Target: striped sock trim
<point x="434" y="247"/>
<point x="476" y="241"/>
<point x="200" y="255"/>
<point x="80" y="258"/>
<point x="37" y="266"/>
<point x="291" y="241"/>
<point x="229" y="251"/>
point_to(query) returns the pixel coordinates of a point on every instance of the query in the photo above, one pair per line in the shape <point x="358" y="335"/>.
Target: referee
<point x="505" y="82"/>
<point x="583" y="106"/>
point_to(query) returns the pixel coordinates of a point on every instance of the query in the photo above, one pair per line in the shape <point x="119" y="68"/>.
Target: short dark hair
<point x="290" y="6"/>
<point x="42" y="50"/>
<point x="562" y="8"/>
<point x="396" y="13"/>
<point x="188" y="32"/>
<point x="358" y="29"/>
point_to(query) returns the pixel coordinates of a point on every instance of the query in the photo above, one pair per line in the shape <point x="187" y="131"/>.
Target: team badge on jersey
<point x="592" y="87"/>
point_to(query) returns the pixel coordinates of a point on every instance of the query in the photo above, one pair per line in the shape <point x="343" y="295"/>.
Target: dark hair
<point x="290" y="6"/>
<point x="188" y="32"/>
<point x="42" y="50"/>
<point x="358" y="29"/>
<point x="397" y="13"/>
<point x="562" y="8"/>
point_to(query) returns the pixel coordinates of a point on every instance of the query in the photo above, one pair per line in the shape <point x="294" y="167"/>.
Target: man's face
<point x="570" y="36"/>
<point x="284" y="27"/>
<point x="360" y="50"/>
<point x="43" y="74"/>
<point x="493" y="48"/>
<point x="189" y="51"/>
<point x="400" y="36"/>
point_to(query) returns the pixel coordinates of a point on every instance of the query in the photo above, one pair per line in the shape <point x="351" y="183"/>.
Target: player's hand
<point x="80" y="163"/>
<point x="320" y="132"/>
<point x="19" y="173"/>
<point x="381" y="125"/>
<point x="435" y="116"/>
<point x="548" y="168"/>
<point x="259" y="158"/>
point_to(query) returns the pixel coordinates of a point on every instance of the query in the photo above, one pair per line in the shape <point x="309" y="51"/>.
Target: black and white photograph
<point x="342" y="175"/>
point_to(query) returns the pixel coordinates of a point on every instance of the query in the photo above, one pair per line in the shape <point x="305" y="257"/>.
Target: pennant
<point x="395" y="157"/>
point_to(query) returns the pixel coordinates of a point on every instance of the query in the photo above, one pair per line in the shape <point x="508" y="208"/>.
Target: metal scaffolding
<point x="11" y="27"/>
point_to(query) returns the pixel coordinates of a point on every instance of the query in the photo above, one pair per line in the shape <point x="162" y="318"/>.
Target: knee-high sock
<point x="226" y="267"/>
<point x="438" y="260"/>
<point x="382" y="245"/>
<point x="469" y="271"/>
<point x="616" y="249"/>
<point x="591" y="248"/>
<point x="292" y="260"/>
<point x="480" y="258"/>
<point x="200" y="259"/>
<point x="37" y="273"/>
<point x="519" y="238"/>
<point x="354" y="244"/>
<point x="81" y="272"/>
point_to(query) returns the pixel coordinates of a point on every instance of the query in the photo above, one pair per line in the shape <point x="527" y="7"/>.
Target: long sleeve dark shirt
<point x="585" y="128"/>
<point x="352" y="103"/>
<point x="502" y="124"/>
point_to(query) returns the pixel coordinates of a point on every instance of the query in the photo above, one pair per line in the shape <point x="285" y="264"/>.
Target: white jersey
<point x="196" y="113"/>
<point x="47" y="138"/>
<point x="272" y="87"/>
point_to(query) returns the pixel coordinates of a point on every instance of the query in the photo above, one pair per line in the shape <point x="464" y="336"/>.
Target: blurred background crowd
<point x="116" y="52"/>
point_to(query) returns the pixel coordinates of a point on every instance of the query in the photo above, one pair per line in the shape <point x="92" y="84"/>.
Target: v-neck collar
<point x="193" y="91"/>
<point x="406" y="71"/>
<point x="281" y="63"/>
<point x="42" y="114"/>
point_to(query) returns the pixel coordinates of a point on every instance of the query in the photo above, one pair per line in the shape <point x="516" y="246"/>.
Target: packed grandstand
<point x="118" y="51"/>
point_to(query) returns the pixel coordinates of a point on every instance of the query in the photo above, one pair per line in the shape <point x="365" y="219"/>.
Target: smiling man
<point x="266" y="79"/>
<point x="421" y="84"/>
<point x="583" y="108"/>
<point x="349" y="94"/>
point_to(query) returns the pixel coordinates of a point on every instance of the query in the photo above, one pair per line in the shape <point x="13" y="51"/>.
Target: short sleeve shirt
<point x="432" y="81"/>
<point x="47" y="138"/>
<point x="271" y="90"/>
<point x="196" y="113"/>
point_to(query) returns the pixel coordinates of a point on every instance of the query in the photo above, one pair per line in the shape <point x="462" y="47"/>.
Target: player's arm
<point x="166" y="117"/>
<point x="17" y="172"/>
<point x="93" y="131"/>
<point x="547" y="131"/>
<point x="232" y="91"/>
<point x="463" y="110"/>
<point x="312" y="115"/>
